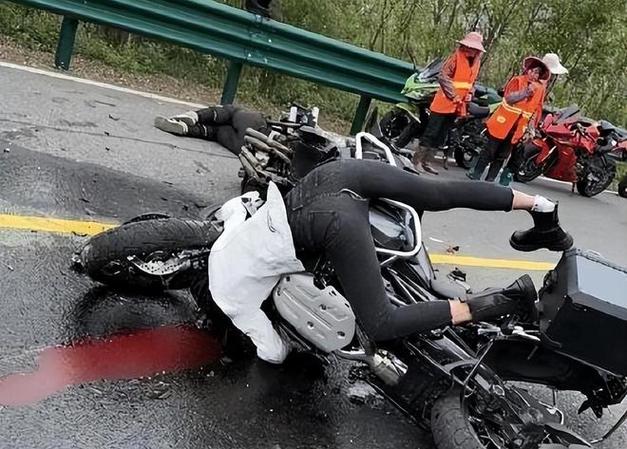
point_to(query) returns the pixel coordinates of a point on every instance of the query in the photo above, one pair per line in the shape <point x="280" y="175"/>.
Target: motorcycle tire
<point x="450" y="426"/>
<point x="393" y="123"/>
<point x="528" y="170"/>
<point x="465" y="159"/>
<point x="622" y="187"/>
<point x="588" y="189"/>
<point x="105" y="256"/>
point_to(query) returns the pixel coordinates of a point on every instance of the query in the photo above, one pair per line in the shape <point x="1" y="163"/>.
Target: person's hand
<point x="468" y="97"/>
<point x="457" y="99"/>
<point x="530" y="90"/>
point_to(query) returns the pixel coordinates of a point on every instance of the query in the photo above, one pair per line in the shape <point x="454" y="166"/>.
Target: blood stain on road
<point x="138" y="354"/>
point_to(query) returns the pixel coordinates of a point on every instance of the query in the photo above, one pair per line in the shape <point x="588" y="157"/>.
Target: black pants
<point x="227" y="125"/>
<point x="497" y="151"/>
<point x="437" y="130"/>
<point x="322" y="218"/>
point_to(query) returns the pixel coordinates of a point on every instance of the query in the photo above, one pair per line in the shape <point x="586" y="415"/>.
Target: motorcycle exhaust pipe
<point x="385" y="365"/>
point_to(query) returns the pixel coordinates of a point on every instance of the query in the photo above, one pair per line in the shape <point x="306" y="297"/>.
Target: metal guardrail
<point x="243" y="38"/>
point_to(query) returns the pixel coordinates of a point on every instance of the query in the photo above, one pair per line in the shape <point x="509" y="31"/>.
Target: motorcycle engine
<point x="322" y="315"/>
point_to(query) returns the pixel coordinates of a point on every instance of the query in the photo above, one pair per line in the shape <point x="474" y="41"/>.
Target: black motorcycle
<point x="460" y="382"/>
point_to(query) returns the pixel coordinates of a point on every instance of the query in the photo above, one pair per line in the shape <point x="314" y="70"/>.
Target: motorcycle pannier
<point x="584" y="310"/>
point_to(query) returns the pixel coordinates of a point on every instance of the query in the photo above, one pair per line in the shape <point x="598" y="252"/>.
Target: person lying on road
<point x="223" y="124"/>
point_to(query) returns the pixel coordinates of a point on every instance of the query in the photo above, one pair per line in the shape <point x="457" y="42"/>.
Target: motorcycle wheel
<point x="622" y="187"/>
<point x="605" y="175"/>
<point x="465" y="159"/>
<point x="528" y="170"/>
<point x="450" y="426"/>
<point x="393" y="123"/>
<point x="105" y="256"/>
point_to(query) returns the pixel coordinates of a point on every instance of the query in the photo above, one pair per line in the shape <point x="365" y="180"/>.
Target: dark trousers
<point x="494" y="154"/>
<point x="227" y="125"/>
<point x="325" y="219"/>
<point x="437" y="130"/>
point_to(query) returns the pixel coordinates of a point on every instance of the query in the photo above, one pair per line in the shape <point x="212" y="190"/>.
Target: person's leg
<point x="372" y="179"/>
<point x="216" y="115"/>
<point x="486" y="156"/>
<point x="502" y="151"/>
<point x="375" y="180"/>
<point x="244" y="119"/>
<point x="433" y="137"/>
<point x="229" y="138"/>
<point x="200" y="123"/>
<point x="339" y="226"/>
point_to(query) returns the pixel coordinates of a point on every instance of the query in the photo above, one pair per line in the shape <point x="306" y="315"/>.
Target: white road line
<point x="99" y="84"/>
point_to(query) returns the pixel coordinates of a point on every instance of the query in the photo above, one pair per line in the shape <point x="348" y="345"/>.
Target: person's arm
<point x="515" y="92"/>
<point x="446" y="77"/>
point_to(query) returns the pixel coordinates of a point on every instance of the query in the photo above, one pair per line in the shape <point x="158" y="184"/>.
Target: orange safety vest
<point x="507" y="116"/>
<point x="463" y="80"/>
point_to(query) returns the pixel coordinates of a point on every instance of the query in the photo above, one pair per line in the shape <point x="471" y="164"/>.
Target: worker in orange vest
<point x="457" y="79"/>
<point x="522" y="103"/>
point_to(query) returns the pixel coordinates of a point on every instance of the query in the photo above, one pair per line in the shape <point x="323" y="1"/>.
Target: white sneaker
<point x="190" y="118"/>
<point x="171" y="126"/>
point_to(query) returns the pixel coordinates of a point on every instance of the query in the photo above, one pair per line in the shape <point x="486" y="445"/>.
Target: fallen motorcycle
<point x="569" y="148"/>
<point x="461" y="382"/>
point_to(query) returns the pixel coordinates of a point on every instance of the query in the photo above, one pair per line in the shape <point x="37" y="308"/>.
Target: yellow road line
<point x="56" y="225"/>
<point x="52" y="225"/>
<point x="523" y="265"/>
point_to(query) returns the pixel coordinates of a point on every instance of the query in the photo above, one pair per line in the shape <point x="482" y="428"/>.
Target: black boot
<point x="546" y="233"/>
<point x="518" y="298"/>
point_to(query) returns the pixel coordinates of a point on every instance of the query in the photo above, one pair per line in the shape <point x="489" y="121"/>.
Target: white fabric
<point x="541" y="204"/>
<point x="247" y="261"/>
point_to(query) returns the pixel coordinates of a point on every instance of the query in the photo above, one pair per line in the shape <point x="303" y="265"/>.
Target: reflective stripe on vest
<point x="516" y="110"/>
<point x="462" y="85"/>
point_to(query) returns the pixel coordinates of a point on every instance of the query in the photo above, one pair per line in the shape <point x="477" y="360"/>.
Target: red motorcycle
<point x="569" y="148"/>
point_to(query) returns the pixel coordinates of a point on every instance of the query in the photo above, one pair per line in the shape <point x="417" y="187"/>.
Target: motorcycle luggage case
<point x="584" y="310"/>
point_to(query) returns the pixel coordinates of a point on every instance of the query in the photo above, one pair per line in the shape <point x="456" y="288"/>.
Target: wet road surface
<point x="75" y="357"/>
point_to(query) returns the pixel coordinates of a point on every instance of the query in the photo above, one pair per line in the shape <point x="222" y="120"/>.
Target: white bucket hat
<point x="552" y="61"/>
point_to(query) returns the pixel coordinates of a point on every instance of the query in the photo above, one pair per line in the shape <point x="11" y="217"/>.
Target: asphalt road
<point x="82" y="152"/>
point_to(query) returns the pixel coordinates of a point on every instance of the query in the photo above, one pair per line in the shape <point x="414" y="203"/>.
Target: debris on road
<point x="8" y="266"/>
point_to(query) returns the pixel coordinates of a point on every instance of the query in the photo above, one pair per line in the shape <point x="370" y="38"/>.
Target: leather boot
<point x="546" y="233"/>
<point x="425" y="161"/>
<point x="518" y="298"/>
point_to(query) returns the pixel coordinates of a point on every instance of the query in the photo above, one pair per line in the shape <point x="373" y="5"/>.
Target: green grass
<point x="621" y="170"/>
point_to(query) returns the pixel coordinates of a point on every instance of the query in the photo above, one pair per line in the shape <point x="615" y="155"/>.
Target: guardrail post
<point x="65" y="47"/>
<point x="232" y="80"/>
<point x="360" y="114"/>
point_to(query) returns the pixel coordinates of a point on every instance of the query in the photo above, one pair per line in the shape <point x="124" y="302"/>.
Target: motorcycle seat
<point x="478" y="111"/>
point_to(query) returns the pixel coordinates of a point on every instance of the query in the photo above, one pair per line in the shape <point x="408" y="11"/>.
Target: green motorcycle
<point x="407" y="121"/>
